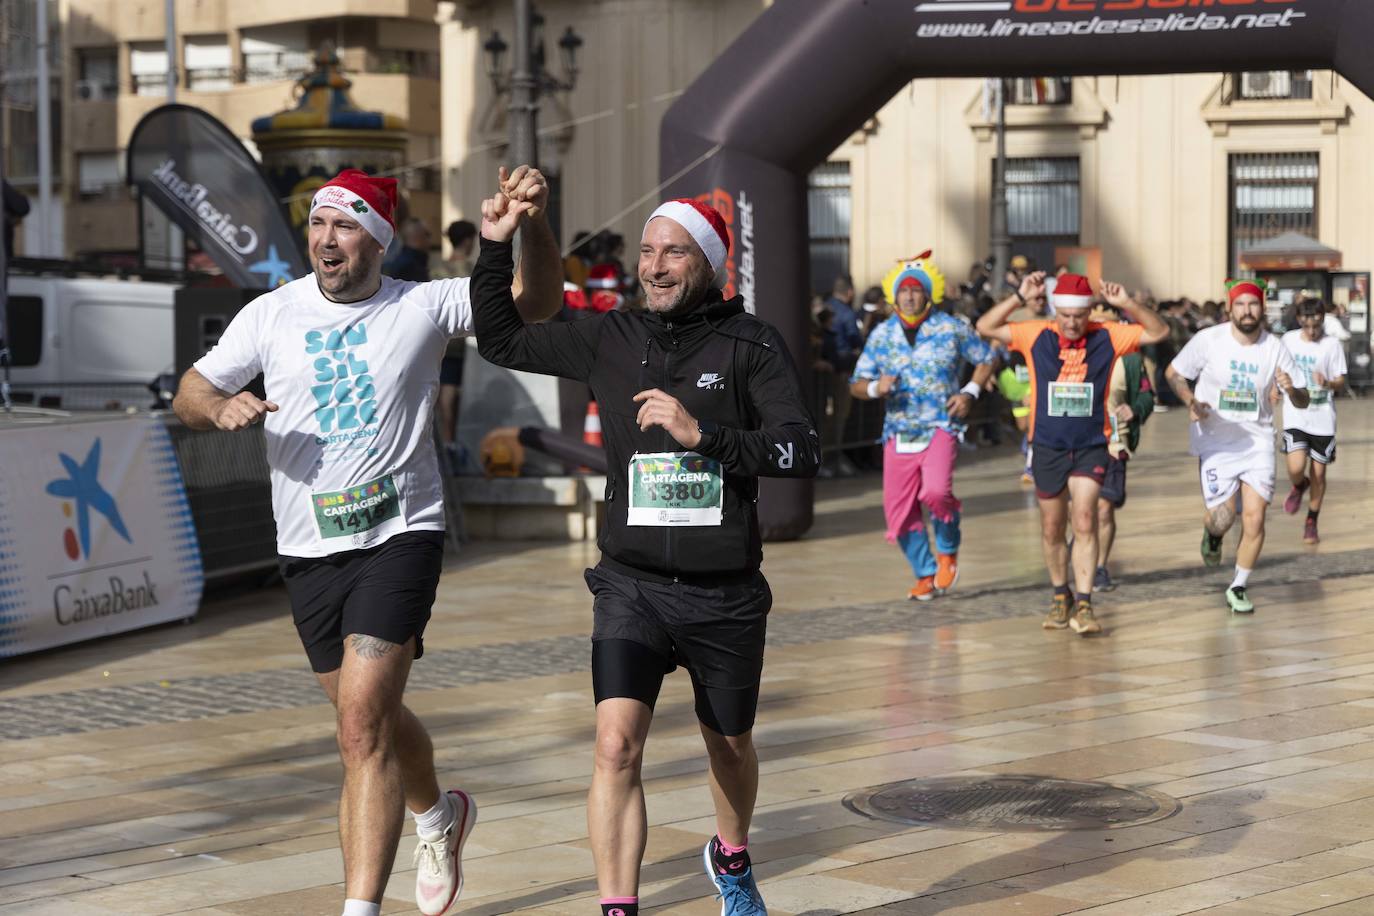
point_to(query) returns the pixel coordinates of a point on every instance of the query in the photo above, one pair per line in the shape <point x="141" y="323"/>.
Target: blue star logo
<point x="82" y="486"/>
<point x="278" y="271"/>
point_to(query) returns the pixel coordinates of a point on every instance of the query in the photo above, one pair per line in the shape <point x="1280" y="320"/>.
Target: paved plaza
<point x="192" y="768"/>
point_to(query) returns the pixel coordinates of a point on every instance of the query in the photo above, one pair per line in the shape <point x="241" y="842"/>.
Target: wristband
<point x="873" y="390"/>
<point x="972" y="389"/>
<point x="1018" y="295"/>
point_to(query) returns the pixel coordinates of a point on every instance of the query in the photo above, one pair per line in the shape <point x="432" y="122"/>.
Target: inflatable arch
<point x="747" y="132"/>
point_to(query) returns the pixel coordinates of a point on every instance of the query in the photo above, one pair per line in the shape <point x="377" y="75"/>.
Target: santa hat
<point x="1071" y="291"/>
<point x="603" y="276"/>
<point x="1236" y="288"/>
<point x="706" y="227"/>
<point x="370" y="201"/>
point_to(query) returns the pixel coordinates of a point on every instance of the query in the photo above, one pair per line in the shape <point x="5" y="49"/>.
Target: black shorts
<point x="384" y="591"/>
<point x="1114" y="482"/>
<point x="643" y="629"/>
<point x="1322" y="449"/>
<point x="451" y="371"/>
<point x="1052" y="467"/>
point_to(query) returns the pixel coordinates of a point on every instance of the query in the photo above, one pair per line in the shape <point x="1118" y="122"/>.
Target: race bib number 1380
<point x="670" y="489"/>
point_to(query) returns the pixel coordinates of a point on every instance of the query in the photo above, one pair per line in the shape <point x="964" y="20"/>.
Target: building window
<point x="829" y="203"/>
<point x="1042" y="206"/>
<point x="273" y="53"/>
<point x="97" y="174"/>
<point x="209" y="67"/>
<point x="97" y="73"/>
<point x="1271" y="193"/>
<point x="1273" y="84"/>
<point x="148" y="67"/>
<point x="1040" y="90"/>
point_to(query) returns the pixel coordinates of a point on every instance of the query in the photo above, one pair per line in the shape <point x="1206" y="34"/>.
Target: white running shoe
<point x="439" y="858"/>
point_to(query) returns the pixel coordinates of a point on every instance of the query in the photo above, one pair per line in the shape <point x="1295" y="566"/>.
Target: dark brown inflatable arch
<point x="808" y="73"/>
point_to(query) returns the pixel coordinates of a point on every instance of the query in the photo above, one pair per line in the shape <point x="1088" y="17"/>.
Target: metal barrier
<point x="227" y="485"/>
<point x="85" y="395"/>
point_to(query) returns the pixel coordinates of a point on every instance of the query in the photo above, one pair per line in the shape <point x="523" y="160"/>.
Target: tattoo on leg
<point x="370" y="646"/>
<point x="1220" y="519"/>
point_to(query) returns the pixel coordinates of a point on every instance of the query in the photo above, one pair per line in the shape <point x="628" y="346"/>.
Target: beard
<point x="689" y="292"/>
<point x="353" y="282"/>
<point x="1247" y="324"/>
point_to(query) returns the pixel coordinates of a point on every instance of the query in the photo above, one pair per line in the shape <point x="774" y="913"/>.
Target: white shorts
<point x="1222" y="473"/>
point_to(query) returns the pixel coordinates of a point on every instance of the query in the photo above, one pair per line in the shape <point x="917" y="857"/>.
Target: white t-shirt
<point x="1325" y="356"/>
<point x="350" y="449"/>
<point x="1235" y="379"/>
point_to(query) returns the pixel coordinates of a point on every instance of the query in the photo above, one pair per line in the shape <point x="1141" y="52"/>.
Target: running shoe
<point x="1211" y="549"/>
<point x="1293" y="502"/>
<point x="439" y="858"/>
<point x="948" y="572"/>
<point x="924" y="590"/>
<point x="738" y="894"/>
<point x="1084" y="623"/>
<point x="1239" y="601"/>
<point x="1309" y="531"/>
<point x="1102" y="580"/>
<point x="1058" y="617"/>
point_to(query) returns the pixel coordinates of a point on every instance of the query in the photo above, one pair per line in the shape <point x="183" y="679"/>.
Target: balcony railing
<point x="1261" y="85"/>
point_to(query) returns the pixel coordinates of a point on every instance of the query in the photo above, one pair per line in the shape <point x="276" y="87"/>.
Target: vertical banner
<point x="198" y="173"/>
<point x="96" y="535"/>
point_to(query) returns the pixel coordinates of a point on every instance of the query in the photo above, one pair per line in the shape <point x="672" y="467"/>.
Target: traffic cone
<point x="591" y="431"/>
<point x="591" y="427"/>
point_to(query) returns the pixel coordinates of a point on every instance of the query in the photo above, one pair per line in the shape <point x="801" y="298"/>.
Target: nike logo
<point x="711" y="380"/>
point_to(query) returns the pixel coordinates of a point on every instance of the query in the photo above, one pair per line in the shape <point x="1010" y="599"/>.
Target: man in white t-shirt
<point x="1309" y="434"/>
<point x="1236" y="366"/>
<point x="350" y="361"/>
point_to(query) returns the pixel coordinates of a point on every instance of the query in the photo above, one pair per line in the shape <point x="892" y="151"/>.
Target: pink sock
<point x="732" y="850"/>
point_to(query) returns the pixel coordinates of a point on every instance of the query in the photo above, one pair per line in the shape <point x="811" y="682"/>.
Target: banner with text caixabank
<point x="96" y="535"/>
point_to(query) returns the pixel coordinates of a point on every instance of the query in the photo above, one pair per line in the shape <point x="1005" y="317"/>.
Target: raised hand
<point x="501" y="216"/>
<point x="1115" y="294"/>
<point x="526" y="184"/>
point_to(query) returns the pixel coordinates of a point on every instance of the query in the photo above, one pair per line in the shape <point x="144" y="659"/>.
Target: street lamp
<point x="528" y="78"/>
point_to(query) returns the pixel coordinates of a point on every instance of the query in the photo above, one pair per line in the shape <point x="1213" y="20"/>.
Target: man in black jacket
<point x="698" y="399"/>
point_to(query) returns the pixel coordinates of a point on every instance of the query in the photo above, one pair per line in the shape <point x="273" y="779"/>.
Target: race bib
<point x="1240" y="405"/>
<point x="357" y="510"/>
<point x="675" y="489"/>
<point x="1320" y="396"/>
<point x="1070" y="399"/>
<point x="912" y="445"/>
<point x="1022" y="374"/>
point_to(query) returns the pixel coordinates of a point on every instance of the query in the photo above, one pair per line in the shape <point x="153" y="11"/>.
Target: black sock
<point x="1312" y="514"/>
<point x="620" y="909"/>
<point x="1083" y="596"/>
<point x="1064" y="590"/>
<point x="734" y="864"/>
<point x="1214" y="540"/>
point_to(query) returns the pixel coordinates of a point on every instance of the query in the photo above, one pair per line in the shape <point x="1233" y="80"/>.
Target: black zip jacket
<point x="725" y="366"/>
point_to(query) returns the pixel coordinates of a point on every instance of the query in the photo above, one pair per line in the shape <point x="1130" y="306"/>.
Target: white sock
<point x="436" y="820"/>
<point x="1242" y="577"/>
<point x="361" y="908"/>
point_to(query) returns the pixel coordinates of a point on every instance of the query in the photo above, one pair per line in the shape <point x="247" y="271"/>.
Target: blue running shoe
<point x="738" y="894"/>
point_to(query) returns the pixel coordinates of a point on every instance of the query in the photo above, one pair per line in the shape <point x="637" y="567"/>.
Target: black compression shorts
<point x="644" y="629"/>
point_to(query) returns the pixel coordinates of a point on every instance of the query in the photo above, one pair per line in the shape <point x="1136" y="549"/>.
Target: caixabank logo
<point x="1057" y="18"/>
<point x="81" y="494"/>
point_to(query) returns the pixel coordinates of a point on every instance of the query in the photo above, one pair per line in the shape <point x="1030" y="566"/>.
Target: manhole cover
<point x="1012" y="803"/>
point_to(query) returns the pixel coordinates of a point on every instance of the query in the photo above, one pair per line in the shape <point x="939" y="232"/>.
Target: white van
<point x="88" y="343"/>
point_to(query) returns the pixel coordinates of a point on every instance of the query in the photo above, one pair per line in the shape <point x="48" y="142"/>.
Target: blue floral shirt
<point x="927" y="374"/>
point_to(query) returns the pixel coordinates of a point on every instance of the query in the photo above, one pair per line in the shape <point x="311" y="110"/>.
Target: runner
<point x="912" y="360"/>
<point x="1130" y="402"/>
<point x="351" y="366"/>
<point x="698" y="399"/>
<point x="1070" y="360"/>
<point x="1236" y="366"/>
<point x="1013" y="381"/>
<point x="1309" y="435"/>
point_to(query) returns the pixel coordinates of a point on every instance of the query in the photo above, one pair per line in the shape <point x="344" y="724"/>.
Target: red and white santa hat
<point x="1071" y="291"/>
<point x="705" y="225"/>
<point x="371" y="201"/>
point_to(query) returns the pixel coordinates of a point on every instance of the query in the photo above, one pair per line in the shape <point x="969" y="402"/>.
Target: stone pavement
<point x="191" y="768"/>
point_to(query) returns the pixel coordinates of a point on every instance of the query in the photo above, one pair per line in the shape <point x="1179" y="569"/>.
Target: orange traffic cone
<point x="591" y="427"/>
<point x="591" y="431"/>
